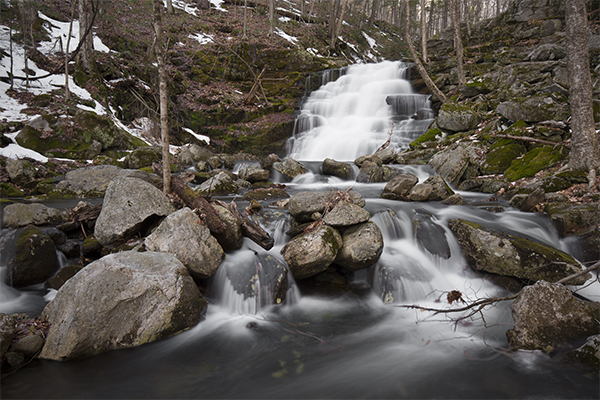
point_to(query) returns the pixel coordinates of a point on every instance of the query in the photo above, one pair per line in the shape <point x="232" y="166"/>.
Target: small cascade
<point x="357" y="113"/>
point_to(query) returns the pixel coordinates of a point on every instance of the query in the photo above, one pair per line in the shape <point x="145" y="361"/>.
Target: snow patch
<point x="201" y="138"/>
<point x="291" y="39"/>
<point x="203" y="38"/>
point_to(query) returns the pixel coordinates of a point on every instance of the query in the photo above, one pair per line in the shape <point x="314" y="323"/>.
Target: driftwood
<point x="250" y="229"/>
<point x="194" y="201"/>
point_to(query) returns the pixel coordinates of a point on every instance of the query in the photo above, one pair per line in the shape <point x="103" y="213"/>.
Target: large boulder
<point x="362" y="246"/>
<point x="533" y="109"/>
<point x="18" y="215"/>
<point x="303" y="205"/>
<point x="254" y="174"/>
<point x="346" y="214"/>
<point x="337" y="168"/>
<point x="143" y="157"/>
<point x="121" y="300"/>
<point x="184" y="235"/>
<point x="220" y="184"/>
<point x="457" y="118"/>
<point x="504" y="254"/>
<point x="311" y="253"/>
<point x="399" y="187"/>
<point x="547" y="315"/>
<point x="433" y="188"/>
<point x="568" y="217"/>
<point x="232" y="238"/>
<point x="20" y="172"/>
<point x="289" y="168"/>
<point x="93" y="181"/>
<point x="35" y="258"/>
<point x="370" y="172"/>
<point x="455" y="162"/>
<point x="128" y="204"/>
<point x="588" y="353"/>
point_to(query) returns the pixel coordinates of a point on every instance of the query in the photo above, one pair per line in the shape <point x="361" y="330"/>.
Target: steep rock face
<point x="509" y="255"/>
<point x="547" y="315"/>
<point x="128" y="203"/>
<point x="311" y="253"/>
<point x="185" y="236"/>
<point x="122" y="300"/>
<point x="527" y="10"/>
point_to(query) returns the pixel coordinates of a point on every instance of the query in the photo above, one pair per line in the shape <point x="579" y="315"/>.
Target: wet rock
<point x="71" y="249"/>
<point x="289" y="168"/>
<point x="415" y="157"/>
<point x="456" y="199"/>
<point x="90" y="246"/>
<point x="129" y="203"/>
<point x="215" y="162"/>
<point x="232" y="238"/>
<point x="304" y="204"/>
<point x="336" y="168"/>
<point x="254" y="174"/>
<point x="568" y="217"/>
<point x="142" y="297"/>
<point x="7" y="332"/>
<point x="20" y="172"/>
<point x="268" y="161"/>
<point x="346" y="214"/>
<point x="509" y="255"/>
<point x="547" y="315"/>
<point x="456" y="118"/>
<point x="484" y="184"/>
<point x="431" y="236"/>
<point x="183" y="235"/>
<point x="533" y="200"/>
<point x="220" y="184"/>
<point x="587" y="354"/>
<point x="35" y="258"/>
<point x="454" y="162"/>
<point x="311" y="253"/>
<point x="370" y="172"/>
<point x="588" y="248"/>
<point x="20" y="214"/>
<point x="362" y="246"/>
<point x="93" y="181"/>
<point x="433" y="188"/>
<point x="266" y="194"/>
<point x="29" y="344"/>
<point x="399" y="187"/>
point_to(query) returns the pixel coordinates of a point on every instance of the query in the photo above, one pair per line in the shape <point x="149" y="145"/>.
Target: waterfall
<point x="356" y="113"/>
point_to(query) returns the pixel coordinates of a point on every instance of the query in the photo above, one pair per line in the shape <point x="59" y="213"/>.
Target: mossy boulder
<point x="58" y="144"/>
<point x="35" y="258"/>
<point x="533" y="109"/>
<point x="457" y="118"/>
<point x="101" y="129"/>
<point x="535" y="161"/>
<point x="568" y="218"/>
<point x="8" y="190"/>
<point x="499" y="159"/>
<point x="219" y="185"/>
<point x="143" y="157"/>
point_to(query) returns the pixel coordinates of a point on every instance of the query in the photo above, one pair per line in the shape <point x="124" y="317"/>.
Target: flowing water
<point x="357" y="344"/>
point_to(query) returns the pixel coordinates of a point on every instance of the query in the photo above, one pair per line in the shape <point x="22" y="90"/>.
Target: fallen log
<point x="194" y="201"/>
<point x="250" y="229"/>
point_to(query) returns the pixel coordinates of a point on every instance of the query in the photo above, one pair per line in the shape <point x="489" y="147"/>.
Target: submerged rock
<point x="311" y="253"/>
<point x="431" y="236"/>
<point x="548" y="315"/>
<point x="185" y="236"/>
<point x="122" y="300"/>
<point x="128" y="204"/>
<point x="509" y="255"/>
<point x="588" y="353"/>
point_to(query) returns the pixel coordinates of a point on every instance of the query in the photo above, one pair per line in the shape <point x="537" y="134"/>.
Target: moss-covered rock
<point x="143" y="157"/>
<point x="8" y="190"/>
<point x="533" y="109"/>
<point x="35" y="258"/>
<point x="499" y="159"/>
<point x="535" y="161"/>
<point x="457" y="118"/>
<point x="568" y="218"/>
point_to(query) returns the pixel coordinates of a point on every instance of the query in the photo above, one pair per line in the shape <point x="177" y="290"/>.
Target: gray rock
<point x="18" y="215"/>
<point x="304" y="204"/>
<point x="7" y="332"/>
<point x="192" y="153"/>
<point x="568" y="217"/>
<point x="311" y="253"/>
<point x="35" y="258"/>
<point x="533" y="109"/>
<point x="346" y="214"/>
<point x="454" y="162"/>
<point x="183" y="235"/>
<point x="548" y="51"/>
<point x="528" y="10"/>
<point x="93" y="181"/>
<point x="587" y="354"/>
<point x="141" y="297"/>
<point x="268" y="161"/>
<point x="509" y="255"/>
<point x="433" y="189"/>
<point x="20" y="172"/>
<point x="128" y="203"/>
<point x="29" y="344"/>
<point x="457" y="118"/>
<point x="370" y="172"/>
<point x="143" y="157"/>
<point x="362" y="246"/>
<point x="533" y="200"/>
<point x="220" y="184"/>
<point x="431" y="236"/>
<point x="254" y="174"/>
<point x="547" y="315"/>
<point x="63" y="275"/>
<point x="400" y="186"/>
<point x="336" y="168"/>
<point x="232" y="238"/>
<point x="289" y="168"/>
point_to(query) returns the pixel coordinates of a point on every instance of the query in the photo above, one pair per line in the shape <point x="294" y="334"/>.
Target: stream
<point x="337" y="344"/>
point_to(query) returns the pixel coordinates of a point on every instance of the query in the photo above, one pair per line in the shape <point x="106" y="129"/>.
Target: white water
<point x="350" y="117"/>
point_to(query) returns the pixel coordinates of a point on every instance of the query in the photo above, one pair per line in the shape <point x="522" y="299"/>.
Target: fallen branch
<point x="250" y="229"/>
<point x="530" y="139"/>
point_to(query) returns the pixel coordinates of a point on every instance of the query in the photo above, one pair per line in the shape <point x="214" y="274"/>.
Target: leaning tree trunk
<point x="424" y="33"/>
<point x="413" y="52"/>
<point x="585" y="154"/>
<point x="162" y="86"/>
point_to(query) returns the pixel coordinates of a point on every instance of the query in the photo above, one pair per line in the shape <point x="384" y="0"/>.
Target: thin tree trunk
<point x="12" y="75"/>
<point x="271" y="17"/>
<point x="162" y="85"/>
<point x="458" y="45"/>
<point x="170" y="7"/>
<point x="424" y="33"/>
<point x="244" y="34"/>
<point x="422" y="71"/>
<point x="585" y="154"/>
<point x="67" y="92"/>
<point x="338" y="25"/>
<point x="85" y="22"/>
<point x="374" y="8"/>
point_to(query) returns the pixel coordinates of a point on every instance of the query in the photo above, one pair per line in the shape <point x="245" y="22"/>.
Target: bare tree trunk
<point x="338" y="24"/>
<point x="422" y="71"/>
<point x="458" y="45"/>
<point x="271" y="16"/>
<point x="67" y="92"/>
<point x="85" y="21"/>
<point x="170" y="7"/>
<point x="12" y="63"/>
<point x="244" y="31"/>
<point x="335" y="5"/>
<point x="424" y="33"/>
<point x="162" y="85"/>
<point x="585" y="154"/>
<point x="374" y="10"/>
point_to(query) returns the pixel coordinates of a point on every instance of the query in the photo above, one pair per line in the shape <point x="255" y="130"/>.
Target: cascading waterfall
<point x="355" y="114"/>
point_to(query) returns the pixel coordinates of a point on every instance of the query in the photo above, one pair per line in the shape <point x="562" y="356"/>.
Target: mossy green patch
<point x="8" y="190"/>
<point x="535" y="161"/>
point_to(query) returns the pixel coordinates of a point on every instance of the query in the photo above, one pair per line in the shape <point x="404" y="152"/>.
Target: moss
<point x="500" y="158"/>
<point x="535" y="161"/>
<point x="8" y="190"/>
<point x="573" y="176"/>
<point x="428" y="136"/>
